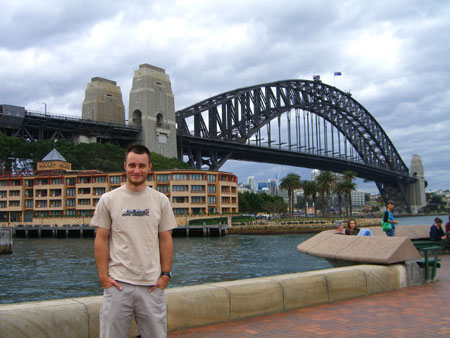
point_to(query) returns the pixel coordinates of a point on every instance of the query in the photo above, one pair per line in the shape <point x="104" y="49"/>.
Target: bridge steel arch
<point x="224" y="124"/>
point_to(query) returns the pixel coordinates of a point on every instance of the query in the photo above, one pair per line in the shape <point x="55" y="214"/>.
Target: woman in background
<point x="351" y="228"/>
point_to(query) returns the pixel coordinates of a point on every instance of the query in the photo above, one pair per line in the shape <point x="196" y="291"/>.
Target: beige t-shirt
<point x="134" y="220"/>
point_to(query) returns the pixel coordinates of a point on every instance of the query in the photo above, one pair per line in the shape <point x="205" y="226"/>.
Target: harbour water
<point x="51" y="268"/>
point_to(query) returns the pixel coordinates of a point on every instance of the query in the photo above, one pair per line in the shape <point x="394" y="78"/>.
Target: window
<point x="180" y="199"/>
<point x="159" y="121"/>
<point x="95" y="201"/>
<point x="162" y="177"/>
<point x="179" y="177"/>
<point x="29" y="193"/>
<point x="72" y="212"/>
<point x="225" y="200"/>
<point x="70" y="203"/>
<point x="179" y="188"/>
<point x="180" y="211"/>
<point x="211" y="189"/>
<point x="55" y="203"/>
<point x="115" y="179"/>
<point x="197" y="199"/>
<point x="197" y="188"/>
<point x="41" y="204"/>
<point x="14" y="193"/>
<point x="3" y="183"/>
<point x="71" y="181"/>
<point x="70" y="192"/>
<point x="150" y="177"/>
<point x="99" y="191"/>
<point x="84" y="201"/>
<point x="212" y="200"/>
<point x="55" y="192"/>
<point x="212" y="210"/>
<point x="85" y="213"/>
<point x="58" y="180"/>
<point x="211" y="178"/>
<point x="42" y="181"/>
<point x="3" y="194"/>
<point x="41" y="193"/>
<point x="28" y="183"/>
<point x="196" y="177"/>
<point x="15" y="183"/>
<point x="100" y="179"/>
<point x="163" y="188"/>
<point x="225" y="189"/>
<point x="28" y="204"/>
<point x="223" y="178"/>
<point x="56" y="213"/>
<point x="85" y="180"/>
<point x="84" y="191"/>
<point x="3" y="204"/>
<point x="198" y="211"/>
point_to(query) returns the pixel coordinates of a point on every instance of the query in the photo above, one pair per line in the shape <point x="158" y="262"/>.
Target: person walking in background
<point x="447" y="227"/>
<point x="134" y="252"/>
<point x="351" y="228"/>
<point x="389" y="222"/>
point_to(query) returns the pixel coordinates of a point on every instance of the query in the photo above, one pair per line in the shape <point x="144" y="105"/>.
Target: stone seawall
<point x="209" y="303"/>
<point x="293" y="227"/>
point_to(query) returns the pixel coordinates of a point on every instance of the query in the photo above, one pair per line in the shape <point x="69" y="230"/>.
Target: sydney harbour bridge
<point x="293" y="122"/>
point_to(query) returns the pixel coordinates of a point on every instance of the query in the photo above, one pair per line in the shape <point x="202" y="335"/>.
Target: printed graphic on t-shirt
<point x="135" y="212"/>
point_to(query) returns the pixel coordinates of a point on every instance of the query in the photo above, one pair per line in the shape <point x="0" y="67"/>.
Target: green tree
<point x="310" y="189"/>
<point x="291" y="182"/>
<point x="325" y="182"/>
<point x="16" y="155"/>
<point x="349" y="185"/>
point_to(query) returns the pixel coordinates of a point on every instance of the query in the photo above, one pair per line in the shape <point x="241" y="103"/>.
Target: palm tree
<point x="349" y="185"/>
<point x="339" y="190"/>
<point x="325" y="182"/>
<point x="290" y="183"/>
<point x="310" y="188"/>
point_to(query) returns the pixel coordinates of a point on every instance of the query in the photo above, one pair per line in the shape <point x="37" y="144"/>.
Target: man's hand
<point x="161" y="283"/>
<point x="110" y="282"/>
<point x="395" y="222"/>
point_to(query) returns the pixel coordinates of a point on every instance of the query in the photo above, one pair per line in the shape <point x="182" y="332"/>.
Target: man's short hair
<point x="390" y="202"/>
<point x="437" y="220"/>
<point x="138" y="149"/>
<point x="338" y="224"/>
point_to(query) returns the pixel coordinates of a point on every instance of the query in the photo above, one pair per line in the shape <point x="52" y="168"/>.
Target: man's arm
<point x="166" y="257"/>
<point x="101" y="254"/>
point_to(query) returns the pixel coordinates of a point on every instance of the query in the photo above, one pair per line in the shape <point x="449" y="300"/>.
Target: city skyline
<point x="392" y="56"/>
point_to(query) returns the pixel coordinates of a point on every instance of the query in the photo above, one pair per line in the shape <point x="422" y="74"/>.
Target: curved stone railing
<point x="209" y="303"/>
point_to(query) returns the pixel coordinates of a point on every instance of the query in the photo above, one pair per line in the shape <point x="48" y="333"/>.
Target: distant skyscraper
<point x="251" y="182"/>
<point x="273" y="186"/>
<point x="262" y="185"/>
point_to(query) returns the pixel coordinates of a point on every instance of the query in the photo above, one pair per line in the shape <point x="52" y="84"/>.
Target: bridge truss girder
<point x="234" y="117"/>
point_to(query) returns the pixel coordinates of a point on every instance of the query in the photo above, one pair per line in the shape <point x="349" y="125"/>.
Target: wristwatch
<point x="168" y="274"/>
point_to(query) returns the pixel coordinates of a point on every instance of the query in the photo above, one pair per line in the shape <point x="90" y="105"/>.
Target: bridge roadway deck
<point x="420" y="311"/>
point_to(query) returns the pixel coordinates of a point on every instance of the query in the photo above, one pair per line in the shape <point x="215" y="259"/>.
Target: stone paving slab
<point x="420" y="311"/>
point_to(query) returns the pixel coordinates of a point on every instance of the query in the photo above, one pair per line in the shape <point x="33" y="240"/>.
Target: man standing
<point x="388" y="219"/>
<point x="134" y="251"/>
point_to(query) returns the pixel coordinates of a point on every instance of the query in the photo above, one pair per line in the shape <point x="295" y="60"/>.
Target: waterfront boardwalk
<point x="419" y="311"/>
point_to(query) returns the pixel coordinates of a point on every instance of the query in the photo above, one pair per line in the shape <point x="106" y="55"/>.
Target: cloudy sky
<point x="393" y="55"/>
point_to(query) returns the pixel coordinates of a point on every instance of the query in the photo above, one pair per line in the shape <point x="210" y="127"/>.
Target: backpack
<point x="386" y="225"/>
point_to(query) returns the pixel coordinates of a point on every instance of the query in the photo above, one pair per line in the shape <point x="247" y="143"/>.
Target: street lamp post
<point x="45" y="108"/>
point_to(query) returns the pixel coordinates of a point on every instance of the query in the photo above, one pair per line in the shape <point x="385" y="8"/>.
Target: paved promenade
<point x="421" y="311"/>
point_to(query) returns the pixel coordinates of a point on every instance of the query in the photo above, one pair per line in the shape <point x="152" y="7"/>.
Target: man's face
<point x="137" y="167"/>
<point x="390" y="206"/>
